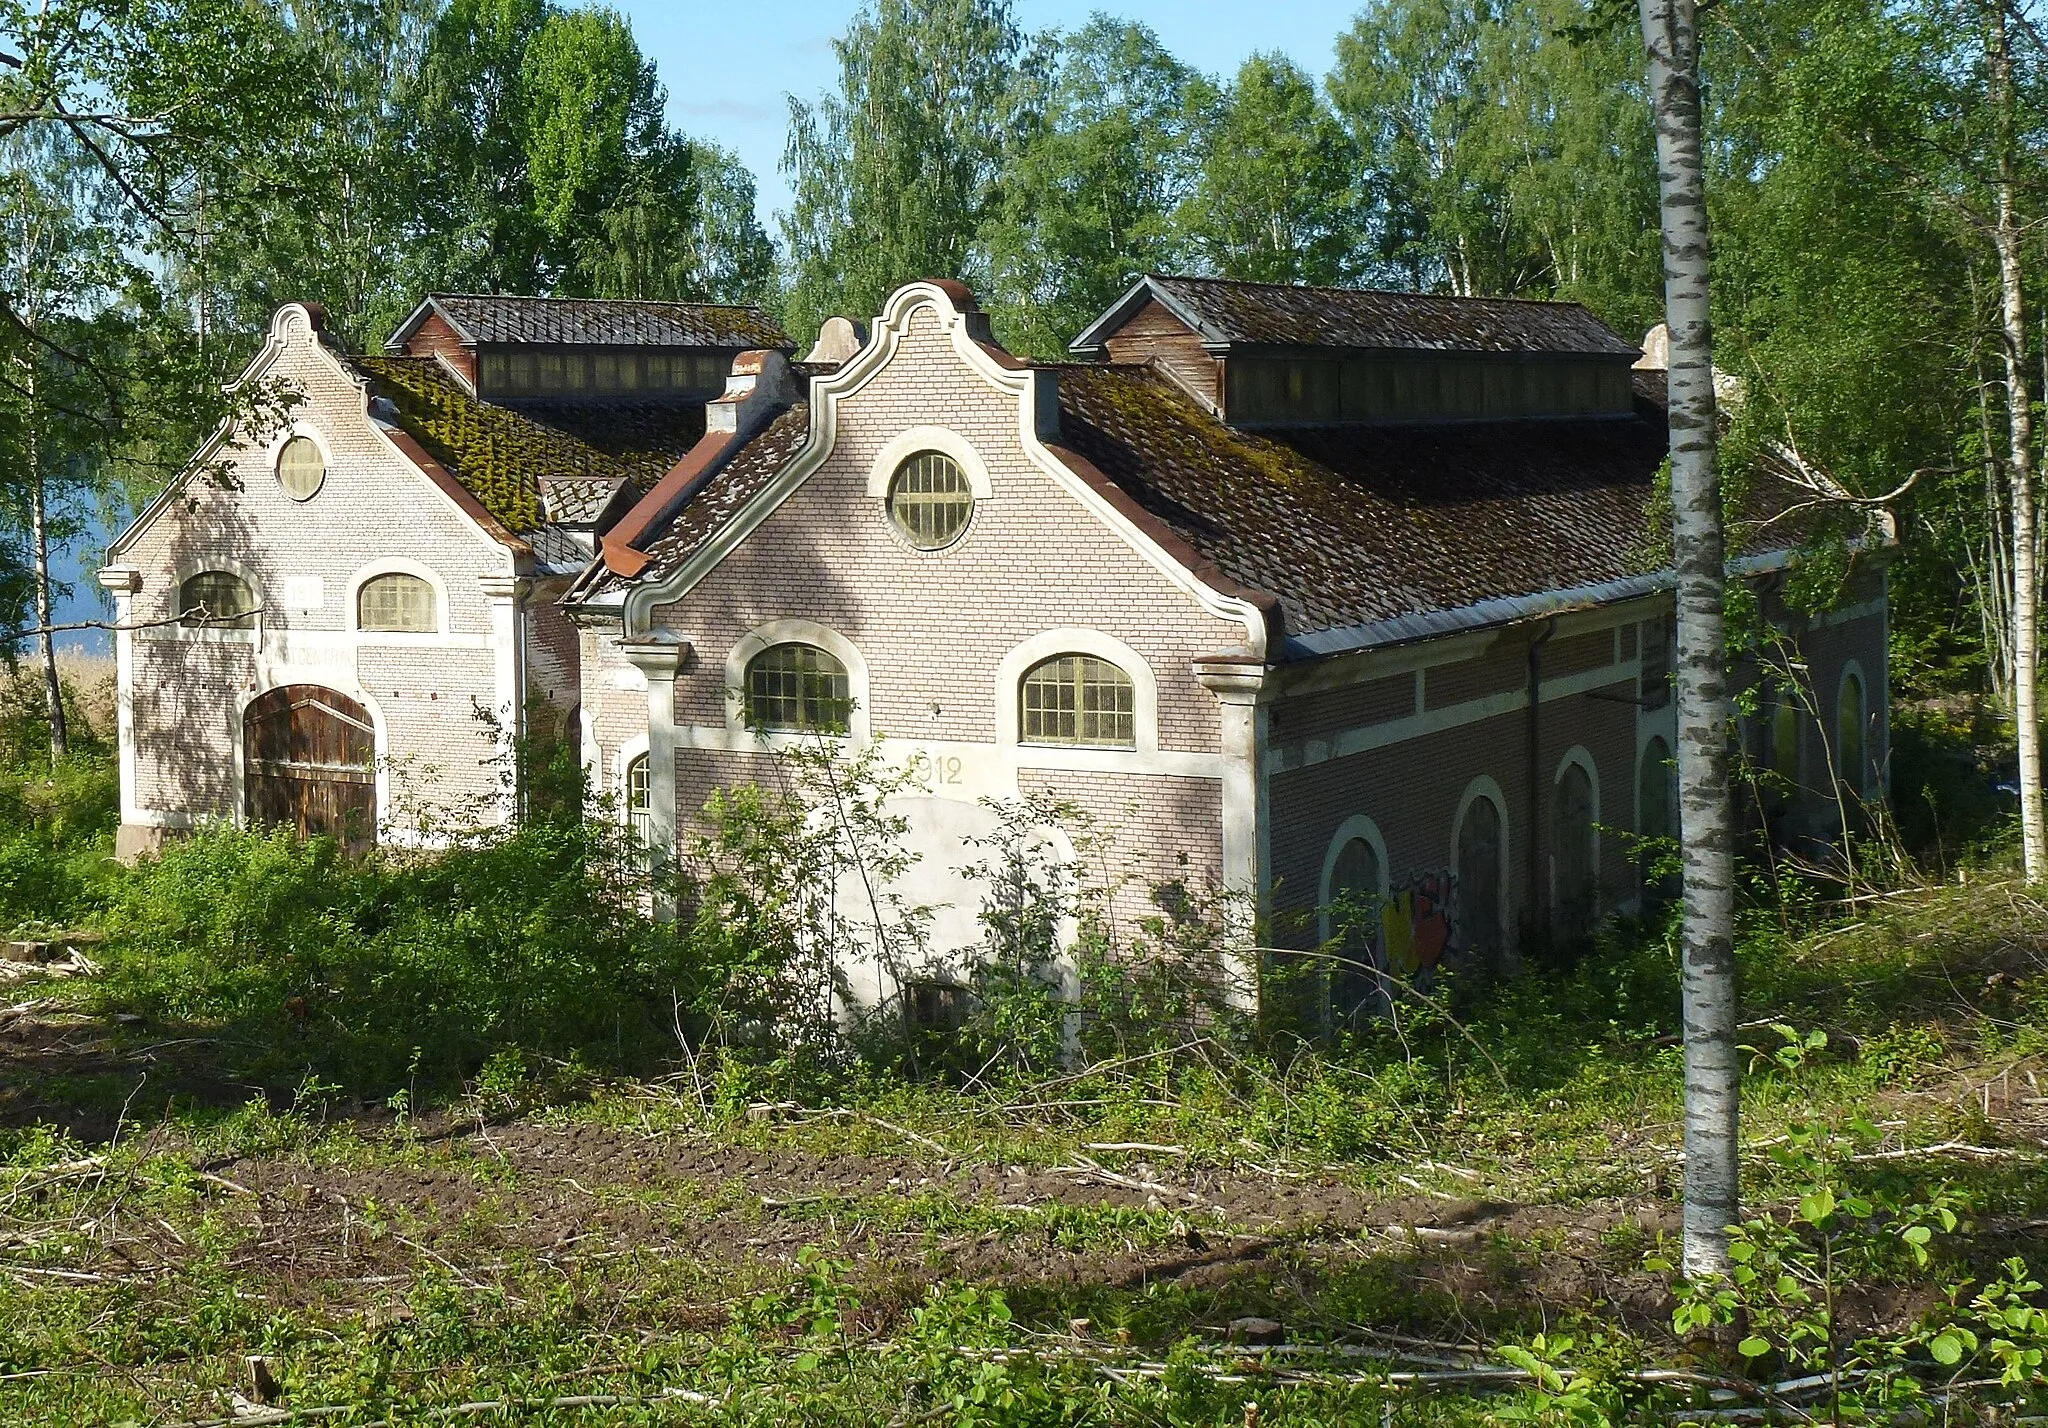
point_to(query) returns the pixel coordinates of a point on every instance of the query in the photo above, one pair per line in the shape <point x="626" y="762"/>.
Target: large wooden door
<point x="309" y="762"/>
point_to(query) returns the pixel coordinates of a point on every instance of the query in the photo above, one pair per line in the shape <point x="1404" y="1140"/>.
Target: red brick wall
<point x="436" y="338"/>
<point x="1412" y="789"/>
<point x="1154" y="333"/>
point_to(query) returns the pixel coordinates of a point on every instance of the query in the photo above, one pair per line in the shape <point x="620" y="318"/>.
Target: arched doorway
<point x="309" y="762"/>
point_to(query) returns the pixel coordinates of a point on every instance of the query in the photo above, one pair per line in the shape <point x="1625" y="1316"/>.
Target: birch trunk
<point x="1706" y="802"/>
<point x="2005" y="236"/>
<point x="39" y="535"/>
<point x="39" y="556"/>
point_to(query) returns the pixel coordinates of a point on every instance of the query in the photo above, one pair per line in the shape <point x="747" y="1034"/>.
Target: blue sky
<point x="728" y="67"/>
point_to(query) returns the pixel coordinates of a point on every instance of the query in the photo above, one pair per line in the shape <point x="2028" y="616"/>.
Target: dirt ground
<point x="683" y="1225"/>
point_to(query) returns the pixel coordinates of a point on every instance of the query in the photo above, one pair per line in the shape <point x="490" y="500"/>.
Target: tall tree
<point x="120" y="125"/>
<point x="2004" y="225"/>
<point x="1408" y="84"/>
<point x="1274" y="202"/>
<point x="1704" y="712"/>
<point x="895" y="172"/>
<point x="1089" y="198"/>
<point x="326" y="211"/>
<point x="1503" y="150"/>
<point x="465" y="152"/>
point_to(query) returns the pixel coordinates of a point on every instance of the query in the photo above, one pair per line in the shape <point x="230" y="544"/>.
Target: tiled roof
<point x="1276" y="315"/>
<point x="1345" y="525"/>
<point x="1348" y="525"/>
<point x="742" y="478"/>
<point x="558" y="550"/>
<point x="507" y="453"/>
<point x="489" y="318"/>
<point x="578" y="500"/>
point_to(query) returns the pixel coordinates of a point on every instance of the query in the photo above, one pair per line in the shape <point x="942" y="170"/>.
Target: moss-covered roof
<point x="507" y="454"/>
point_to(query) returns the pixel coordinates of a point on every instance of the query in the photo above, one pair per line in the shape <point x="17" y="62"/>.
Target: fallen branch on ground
<point x="263" y="1417"/>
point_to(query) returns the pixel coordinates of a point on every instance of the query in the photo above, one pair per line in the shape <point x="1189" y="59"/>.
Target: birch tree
<point x="1706" y="803"/>
<point x="2026" y="583"/>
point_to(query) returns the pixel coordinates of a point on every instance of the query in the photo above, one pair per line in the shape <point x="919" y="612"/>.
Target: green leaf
<point x="1947" y="1349"/>
<point x="1817" y="1206"/>
<point x="1753" y="1347"/>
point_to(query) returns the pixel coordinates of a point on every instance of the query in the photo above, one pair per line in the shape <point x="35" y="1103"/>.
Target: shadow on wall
<point x="186" y="683"/>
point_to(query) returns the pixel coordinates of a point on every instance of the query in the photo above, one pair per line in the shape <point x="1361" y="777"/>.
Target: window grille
<point x="217" y="600"/>
<point x="1078" y="699"/>
<point x="930" y="500"/>
<point x="1574" y="853"/>
<point x="1355" y="905"/>
<point x="798" y="688"/>
<point x="402" y="604"/>
<point x="1480" y="876"/>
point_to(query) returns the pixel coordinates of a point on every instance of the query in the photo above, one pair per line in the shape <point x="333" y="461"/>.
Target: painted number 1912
<point x="934" y="771"/>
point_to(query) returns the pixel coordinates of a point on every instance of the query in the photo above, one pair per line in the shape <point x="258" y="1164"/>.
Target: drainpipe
<point x="1538" y="899"/>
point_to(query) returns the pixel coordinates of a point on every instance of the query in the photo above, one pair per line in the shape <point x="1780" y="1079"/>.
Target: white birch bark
<point x="1706" y="802"/>
<point x="2005" y="236"/>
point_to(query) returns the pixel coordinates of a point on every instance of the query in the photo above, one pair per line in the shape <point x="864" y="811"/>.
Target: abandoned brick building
<point x="1301" y="592"/>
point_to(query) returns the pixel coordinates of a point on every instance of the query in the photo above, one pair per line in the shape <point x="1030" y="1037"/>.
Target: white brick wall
<point x="187" y="692"/>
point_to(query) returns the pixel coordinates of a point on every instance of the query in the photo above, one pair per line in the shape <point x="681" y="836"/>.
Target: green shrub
<point x="400" y="970"/>
<point x="56" y="828"/>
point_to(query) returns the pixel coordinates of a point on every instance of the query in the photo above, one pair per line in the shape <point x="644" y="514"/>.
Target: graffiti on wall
<point x="1415" y="922"/>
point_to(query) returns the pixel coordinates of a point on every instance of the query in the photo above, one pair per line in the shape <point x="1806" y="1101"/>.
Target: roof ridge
<point x="636" y="302"/>
<point x="1367" y="292"/>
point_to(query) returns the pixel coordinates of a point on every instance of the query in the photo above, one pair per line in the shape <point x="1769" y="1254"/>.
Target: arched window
<point x="930" y="500"/>
<point x="1079" y="699"/>
<point x="638" y="806"/>
<point x="1656" y="792"/>
<point x="217" y="599"/>
<point x="1482" y="856"/>
<point x="1849" y="733"/>
<point x="1785" y="737"/>
<point x="1574" y="852"/>
<point x="398" y="604"/>
<point x="301" y="469"/>
<point x="798" y="688"/>
<point x="1356" y="879"/>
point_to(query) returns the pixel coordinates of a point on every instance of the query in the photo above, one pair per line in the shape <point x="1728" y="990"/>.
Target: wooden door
<point x="309" y="762"/>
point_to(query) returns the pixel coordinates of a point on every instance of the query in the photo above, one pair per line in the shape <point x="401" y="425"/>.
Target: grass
<point x="424" y="1139"/>
<point x="687" y="1250"/>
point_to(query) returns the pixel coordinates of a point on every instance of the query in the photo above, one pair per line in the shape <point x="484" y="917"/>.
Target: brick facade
<point x="302" y="560"/>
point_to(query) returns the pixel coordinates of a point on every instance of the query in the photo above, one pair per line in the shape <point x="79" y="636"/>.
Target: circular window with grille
<point x="301" y="468"/>
<point x="930" y="500"/>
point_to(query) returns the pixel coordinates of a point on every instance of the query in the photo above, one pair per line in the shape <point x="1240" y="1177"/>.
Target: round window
<point x="301" y="468"/>
<point x="930" y="500"/>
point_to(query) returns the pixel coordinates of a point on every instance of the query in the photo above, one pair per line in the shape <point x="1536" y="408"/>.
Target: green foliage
<point x="1090" y="197"/>
<point x="894" y="172"/>
<point x="1273" y="202"/>
<point x="1505" y="150"/>
<point x="1791" y="1278"/>
<point x="399" y="970"/>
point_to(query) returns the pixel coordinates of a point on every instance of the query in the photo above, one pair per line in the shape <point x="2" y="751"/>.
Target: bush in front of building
<point x="393" y="971"/>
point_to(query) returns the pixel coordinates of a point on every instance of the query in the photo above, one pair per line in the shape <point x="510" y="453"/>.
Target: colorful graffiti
<point x="1415" y="922"/>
